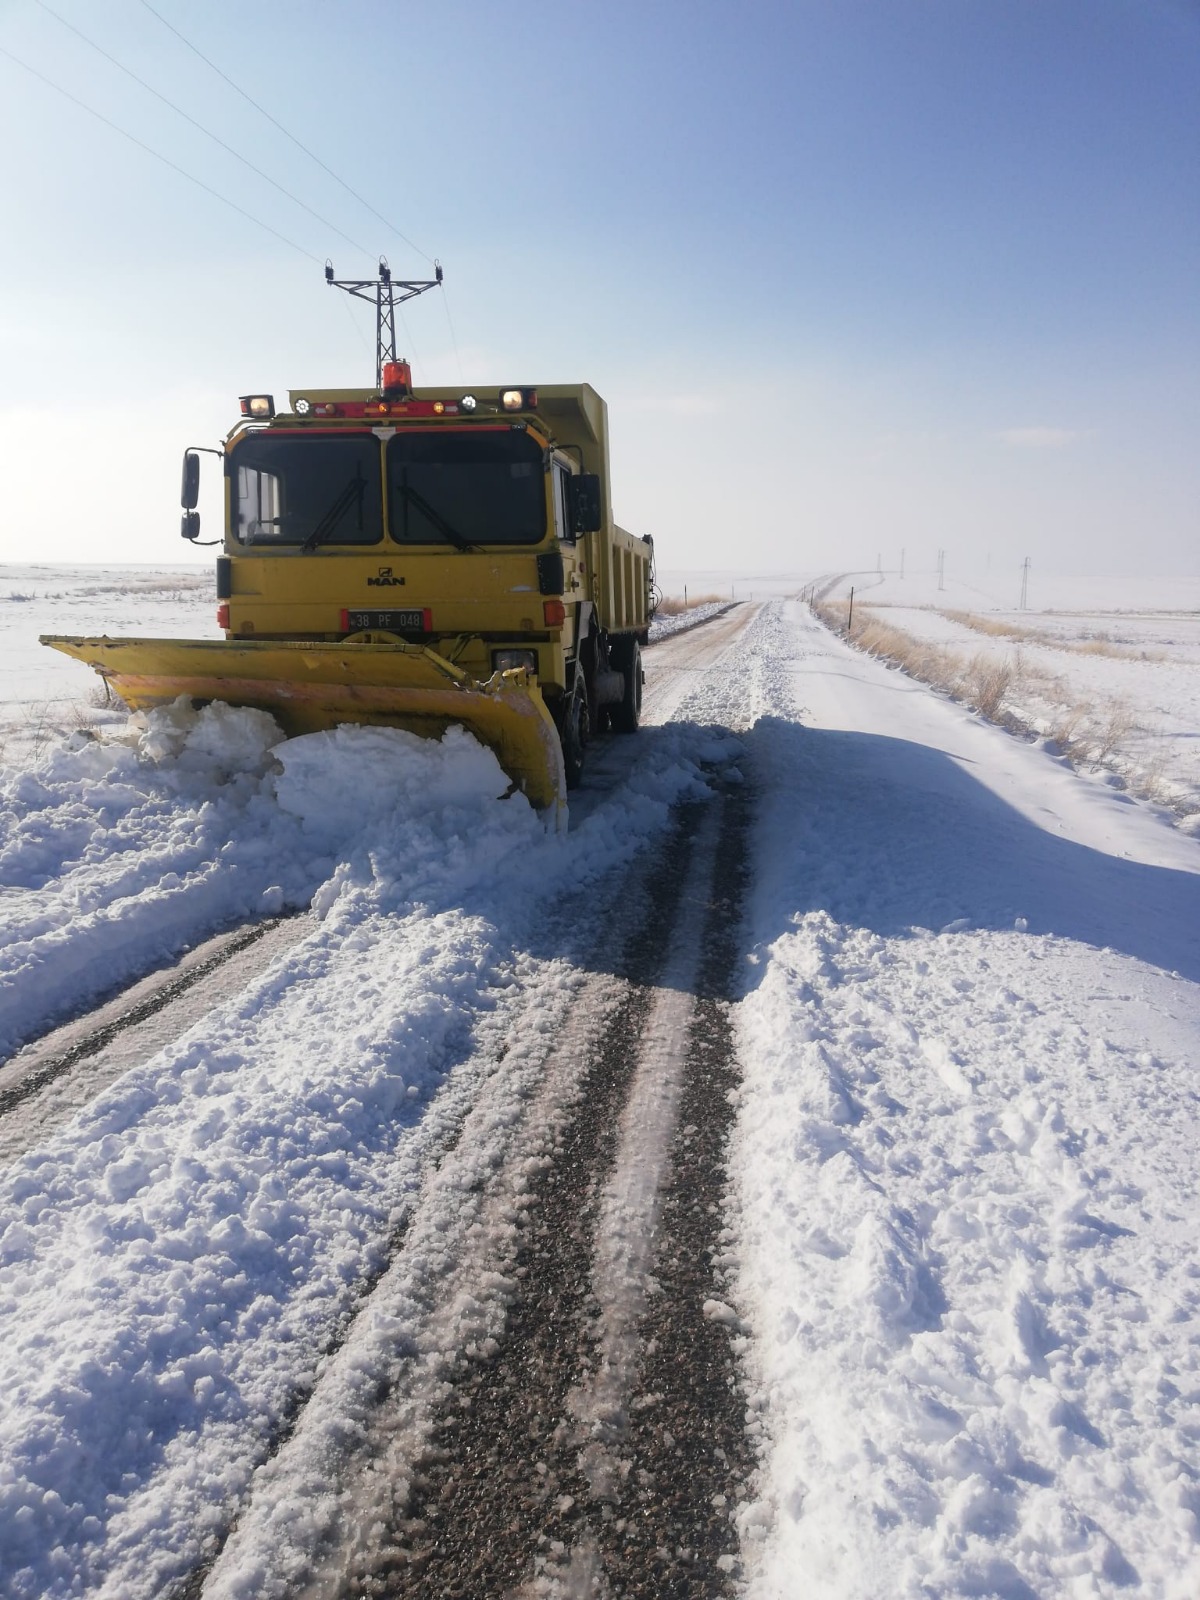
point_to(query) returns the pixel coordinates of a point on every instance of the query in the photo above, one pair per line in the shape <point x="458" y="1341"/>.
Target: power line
<point x="312" y="155"/>
<point x="208" y="133"/>
<point x="274" y="121"/>
<point x="453" y="337"/>
<point x="416" y="360"/>
<point x="356" y="326"/>
<point x="158" y="156"/>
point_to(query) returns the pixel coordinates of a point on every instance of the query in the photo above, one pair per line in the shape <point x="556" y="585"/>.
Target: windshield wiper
<point x="352" y="492"/>
<point x="446" y="530"/>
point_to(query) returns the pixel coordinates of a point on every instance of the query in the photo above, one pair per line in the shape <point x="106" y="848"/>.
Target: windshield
<point x="482" y="486"/>
<point x="307" y="490"/>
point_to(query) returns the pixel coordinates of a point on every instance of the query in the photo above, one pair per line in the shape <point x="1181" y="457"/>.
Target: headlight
<point x="468" y="402"/>
<point x="302" y="407"/>
<point x="510" y="660"/>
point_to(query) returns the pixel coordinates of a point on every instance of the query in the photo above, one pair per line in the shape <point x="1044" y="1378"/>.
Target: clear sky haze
<point x="854" y="276"/>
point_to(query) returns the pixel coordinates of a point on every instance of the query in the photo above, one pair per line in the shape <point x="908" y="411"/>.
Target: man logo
<point x="385" y="580"/>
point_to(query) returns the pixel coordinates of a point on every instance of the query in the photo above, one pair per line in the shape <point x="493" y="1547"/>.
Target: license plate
<point x="385" y="621"/>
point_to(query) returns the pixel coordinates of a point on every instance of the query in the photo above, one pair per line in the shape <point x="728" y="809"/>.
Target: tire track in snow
<point x="95" y="1049"/>
<point x="419" y="1307"/>
<point x="683" y="661"/>
<point x="503" y="1480"/>
<point x="346" y="1454"/>
<point x="465" y="1498"/>
<point x="599" y="1437"/>
<point x="686" y="1444"/>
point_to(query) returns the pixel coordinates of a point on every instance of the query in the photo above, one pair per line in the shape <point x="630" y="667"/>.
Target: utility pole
<point x="1025" y="584"/>
<point x="382" y="293"/>
<point x="902" y="563"/>
<point x="941" y="569"/>
<point x="850" y="613"/>
<point x="879" y="563"/>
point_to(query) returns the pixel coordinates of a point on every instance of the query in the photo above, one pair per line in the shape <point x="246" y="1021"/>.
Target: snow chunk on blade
<point x="378" y="773"/>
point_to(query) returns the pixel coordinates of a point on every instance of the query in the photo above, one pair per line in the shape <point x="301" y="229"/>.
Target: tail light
<point x="223" y="615"/>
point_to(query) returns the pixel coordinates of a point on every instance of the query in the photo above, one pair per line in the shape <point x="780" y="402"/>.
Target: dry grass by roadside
<point x="673" y="605"/>
<point x="162" y="585"/>
<point x="36" y="725"/>
<point x="1098" y="645"/>
<point x="1090" y="735"/>
<point x="979" y="681"/>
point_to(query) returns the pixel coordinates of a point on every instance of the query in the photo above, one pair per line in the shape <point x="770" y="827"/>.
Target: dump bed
<point x="621" y="587"/>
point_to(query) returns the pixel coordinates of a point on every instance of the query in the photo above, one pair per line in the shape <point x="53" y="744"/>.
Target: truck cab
<point x="473" y="522"/>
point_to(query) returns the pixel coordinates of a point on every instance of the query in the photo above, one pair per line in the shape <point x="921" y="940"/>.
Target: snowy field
<point x="960" y="1238"/>
<point x="44" y="694"/>
<point x="1106" y="671"/>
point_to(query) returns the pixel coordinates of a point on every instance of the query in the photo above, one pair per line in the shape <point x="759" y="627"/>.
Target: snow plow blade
<point x="311" y="686"/>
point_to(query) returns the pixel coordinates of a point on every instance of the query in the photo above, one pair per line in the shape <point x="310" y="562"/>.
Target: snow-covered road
<point x="920" y="1204"/>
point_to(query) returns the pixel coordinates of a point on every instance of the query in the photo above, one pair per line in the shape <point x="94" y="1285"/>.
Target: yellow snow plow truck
<point x="417" y="558"/>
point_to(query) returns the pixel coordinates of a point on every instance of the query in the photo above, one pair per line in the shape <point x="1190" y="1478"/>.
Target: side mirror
<point x="583" y="492"/>
<point x="190" y="492"/>
<point x="189" y="528"/>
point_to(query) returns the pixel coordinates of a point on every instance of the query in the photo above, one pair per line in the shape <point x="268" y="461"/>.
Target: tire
<point x="626" y="657"/>
<point x="573" y="735"/>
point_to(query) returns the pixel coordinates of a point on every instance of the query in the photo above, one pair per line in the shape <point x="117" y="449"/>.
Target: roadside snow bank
<point x="663" y="627"/>
<point x="971" y="1260"/>
<point x="965" y="1167"/>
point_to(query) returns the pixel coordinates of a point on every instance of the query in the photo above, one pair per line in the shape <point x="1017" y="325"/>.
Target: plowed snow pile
<point x="967" y="1161"/>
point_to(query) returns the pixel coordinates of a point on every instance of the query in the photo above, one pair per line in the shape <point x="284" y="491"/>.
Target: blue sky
<point x="852" y="276"/>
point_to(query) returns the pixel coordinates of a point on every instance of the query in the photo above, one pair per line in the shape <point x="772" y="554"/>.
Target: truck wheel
<point x="573" y="734"/>
<point x="627" y="716"/>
